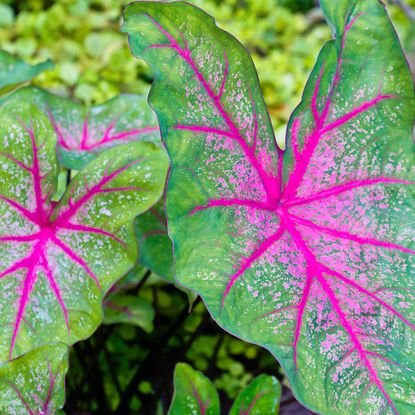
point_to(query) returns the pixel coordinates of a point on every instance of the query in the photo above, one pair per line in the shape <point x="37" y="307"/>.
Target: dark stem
<point x="97" y="379"/>
<point x="79" y="394"/>
<point x="112" y="370"/>
<point x="156" y="307"/>
<point x="143" y="280"/>
<point x="147" y="366"/>
<point x="213" y="358"/>
<point x="170" y="364"/>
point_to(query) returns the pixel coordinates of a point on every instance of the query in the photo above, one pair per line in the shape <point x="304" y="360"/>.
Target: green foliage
<point x="82" y="37"/>
<point x="14" y="71"/>
<point x="195" y="394"/>
<point x="127" y="365"/>
<point x="155" y="247"/>
<point x="93" y="61"/>
<point x="282" y="44"/>
<point x="129" y="309"/>
<point x="122" y="305"/>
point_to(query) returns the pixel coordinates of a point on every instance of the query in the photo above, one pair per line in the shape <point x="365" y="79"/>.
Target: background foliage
<point x="128" y="368"/>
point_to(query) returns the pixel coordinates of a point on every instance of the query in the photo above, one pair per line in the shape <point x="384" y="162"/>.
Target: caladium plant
<point x="195" y="394"/>
<point x="85" y="132"/>
<point x="261" y="396"/>
<point x="309" y="251"/>
<point x="34" y="383"/>
<point x="14" y="71"/>
<point x="58" y="259"/>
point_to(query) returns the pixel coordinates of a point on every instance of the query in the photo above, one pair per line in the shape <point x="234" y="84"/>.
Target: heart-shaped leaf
<point x="261" y="396"/>
<point x="34" y="383"/>
<point x="194" y="393"/>
<point x="14" y="71"/>
<point x="308" y="252"/>
<point x="59" y="259"/>
<point x="85" y="132"/>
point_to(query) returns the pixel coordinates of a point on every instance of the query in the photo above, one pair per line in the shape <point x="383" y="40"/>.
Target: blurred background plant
<point x="128" y="368"/>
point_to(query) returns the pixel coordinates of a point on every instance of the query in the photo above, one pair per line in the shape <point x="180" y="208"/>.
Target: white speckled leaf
<point x="34" y="383"/>
<point x="309" y="252"/>
<point x="57" y="260"/>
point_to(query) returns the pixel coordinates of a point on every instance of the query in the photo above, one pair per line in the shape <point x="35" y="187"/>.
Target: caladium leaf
<point x="309" y="252"/>
<point x="14" y="71"/>
<point x="155" y="247"/>
<point x="194" y="393"/>
<point x="34" y="383"/>
<point x="85" y="132"/>
<point x="129" y="309"/>
<point x="261" y="396"/>
<point x="58" y="259"/>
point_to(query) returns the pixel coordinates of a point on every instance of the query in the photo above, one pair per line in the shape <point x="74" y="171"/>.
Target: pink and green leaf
<point x="194" y="393"/>
<point x="34" y="383"/>
<point x="83" y="132"/>
<point x="310" y="251"/>
<point x="14" y="71"/>
<point x="59" y="259"/>
<point x="261" y="396"/>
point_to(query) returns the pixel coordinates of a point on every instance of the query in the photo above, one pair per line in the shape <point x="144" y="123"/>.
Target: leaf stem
<point x="147" y="365"/>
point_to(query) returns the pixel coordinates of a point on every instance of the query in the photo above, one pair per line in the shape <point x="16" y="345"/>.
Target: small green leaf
<point x="129" y="309"/>
<point x="34" y="383"/>
<point x="14" y="71"/>
<point x="261" y="396"/>
<point x="155" y="247"/>
<point x="194" y="393"/>
<point x="6" y="16"/>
